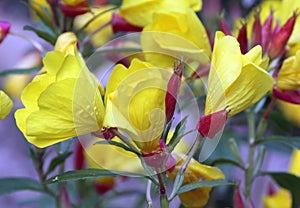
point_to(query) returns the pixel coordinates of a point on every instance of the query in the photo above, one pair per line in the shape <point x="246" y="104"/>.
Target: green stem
<point x="164" y="203"/>
<point x="250" y="162"/>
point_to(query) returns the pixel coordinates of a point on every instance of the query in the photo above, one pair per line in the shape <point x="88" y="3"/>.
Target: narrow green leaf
<point x="118" y="144"/>
<point x="13" y="184"/>
<point x="88" y="174"/>
<point x="293" y="142"/>
<point x="176" y="186"/>
<point x="202" y="184"/>
<point x="57" y="161"/>
<point x="225" y="161"/>
<point x="42" y="34"/>
<point x="179" y="130"/>
<point x="166" y="131"/>
<point x="289" y="182"/>
<point x="20" y="71"/>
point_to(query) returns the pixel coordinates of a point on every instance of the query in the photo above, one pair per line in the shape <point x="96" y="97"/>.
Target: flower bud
<point x="173" y="90"/>
<point x="257" y="30"/>
<point x="4" y="30"/>
<point x="238" y="201"/>
<point x="224" y="27"/>
<point x="281" y="38"/>
<point x="104" y="185"/>
<point x="210" y="125"/>
<point x="242" y="39"/>
<point x="79" y="161"/>
<point x="291" y="96"/>
<point x="119" y="24"/>
<point x="73" y="8"/>
<point x="266" y="33"/>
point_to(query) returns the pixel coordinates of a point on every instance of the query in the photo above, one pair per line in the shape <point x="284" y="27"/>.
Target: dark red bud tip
<point x="291" y="96"/>
<point x="243" y="39"/>
<point x="238" y="201"/>
<point x="119" y="24"/>
<point x="73" y="11"/>
<point x="267" y="32"/>
<point x="173" y="91"/>
<point x="224" y="27"/>
<point x="278" y="43"/>
<point x="271" y="189"/>
<point x="4" y="30"/>
<point x="102" y="188"/>
<point x="257" y="30"/>
<point x="52" y="2"/>
<point x="108" y="133"/>
<point x="79" y="157"/>
<point x="212" y="124"/>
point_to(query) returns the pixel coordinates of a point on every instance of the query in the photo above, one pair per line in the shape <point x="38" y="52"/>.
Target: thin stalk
<point x="164" y="203"/>
<point x="148" y="194"/>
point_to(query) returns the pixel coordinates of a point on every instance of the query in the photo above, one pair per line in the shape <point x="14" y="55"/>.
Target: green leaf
<point x="88" y="174"/>
<point x="57" y="161"/>
<point x="13" y="184"/>
<point x="178" y="134"/>
<point x="202" y="184"/>
<point x="293" y="142"/>
<point x="225" y="161"/>
<point x="20" y="71"/>
<point x="176" y="186"/>
<point x="289" y="182"/>
<point x="42" y="34"/>
<point x="118" y="144"/>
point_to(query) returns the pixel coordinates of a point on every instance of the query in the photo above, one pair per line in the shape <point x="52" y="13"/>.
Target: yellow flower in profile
<point x="289" y="73"/>
<point x="104" y="34"/>
<point x="195" y="172"/>
<point x="282" y="198"/>
<point x="63" y="100"/>
<point x="174" y="35"/>
<point x="235" y="81"/>
<point x="139" y="12"/>
<point x="6" y="105"/>
<point x="135" y="103"/>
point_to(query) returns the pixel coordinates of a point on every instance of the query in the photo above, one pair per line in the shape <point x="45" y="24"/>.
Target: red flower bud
<point x="119" y="24"/>
<point x="65" y="198"/>
<point x="173" y="90"/>
<point x="291" y="96"/>
<point x="104" y="185"/>
<point x="267" y="32"/>
<point x="210" y="125"/>
<point x="108" y="134"/>
<point x="75" y="10"/>
<point x="79" y="157"/>
<point x="242" y="39"/>
<point x="52" y="2"/>
<point x="257" y="30"/>
<point x="201" y="71"/>
<point x="281" y="38"/>
<point x="4" y="30"/>
<point x="224" y="27"/>
<point x="271" y="189"/>
<point x="238" y="201"/>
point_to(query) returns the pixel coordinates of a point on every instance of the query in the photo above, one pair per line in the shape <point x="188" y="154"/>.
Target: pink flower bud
<point x="79" y="161"/>
<point x="242" y="39"/>
<point x="291" y="96"/>
<point x="75" y="10"/>
<point x="201" y="71"/>
<point x="267" y="32"/>
<point x="271" y="189"/>
<point x="281" y="38"/>
<point x="224" y="27"/>
<point x="4" y="30"/>
<point x="238" y="201"/>
<point x="119" y="24"/>
<point x="173" y="90"/>
<point x="210" y="125"/>
<point x="257" y="30"/>
<point x="65" y="198"/>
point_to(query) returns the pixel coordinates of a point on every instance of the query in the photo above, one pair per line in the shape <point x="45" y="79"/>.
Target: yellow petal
<point x="295" y="163"/>
<point x="6" y="105"/>
<point x="282" y="199"/>
<point x="290" y="111"/>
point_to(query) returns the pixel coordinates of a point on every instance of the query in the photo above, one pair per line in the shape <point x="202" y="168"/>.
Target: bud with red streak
<point x="271" y="189"/>
<point x="173" y="90"/>
<point x="291" y="96"/>
<point x="280" y="39"/>
<point x="79" y="159"/>
<point x="65" y="202"/>
<point x="238" y="201"/>
<point x="224" y="27"/>
<point x="4" y="30"/>
<point x="103" y="185"/>
<point x="266" y="32"/>
<point x="119" y="24"/>
<point x="257" y="30"/>
<point x="210" y="125"/>
<point x="242" y="39"/>
<point x="75" y="10"/>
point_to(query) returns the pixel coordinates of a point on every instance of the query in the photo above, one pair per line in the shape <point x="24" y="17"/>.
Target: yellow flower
<point x="174" y="35"/>
<point x="235" y="81"/>
<point x="39" y="6"/>
<point x="5" y="105"/>
<point x="139" y="12"/>
<point x="282" y="198"/>
<point x="62" y="101"/>
<point x="14" y="84"/>
<point x="289" y="74"/>
<point x="290" y="111"/>
<point x="135" y="103"/>
<point x="195" y="172"/>
<point x="73" y="2"/>
<point x="102" y="36"/>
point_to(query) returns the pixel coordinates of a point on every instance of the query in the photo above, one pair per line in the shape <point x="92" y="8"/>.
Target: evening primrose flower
<point x="135" y="103"/>
<point x="6" y="105"/>
<point x="63" y="100"/>
<point x="175" y="34"/>
<point x="235" y="82"/>
<point x="194" y="172"/>
<point x="139" y="12"/>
